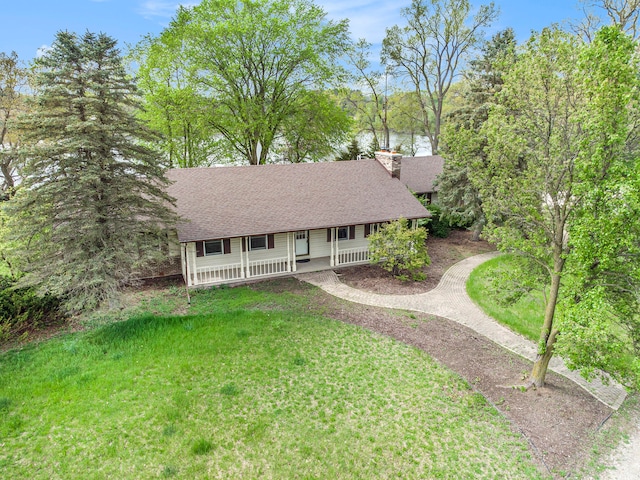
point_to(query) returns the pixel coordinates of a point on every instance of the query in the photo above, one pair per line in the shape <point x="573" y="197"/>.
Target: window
<point x="343" y="233"/>
<point x="213" y="247"/>
<point x="258" y="243"/>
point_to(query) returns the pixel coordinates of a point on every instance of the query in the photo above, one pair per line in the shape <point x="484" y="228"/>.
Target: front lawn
<point x="249" y="384"/>
<point x="524" y="317"/>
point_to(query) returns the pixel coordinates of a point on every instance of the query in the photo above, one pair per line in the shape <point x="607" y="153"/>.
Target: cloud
<point x="368" y="19"/>
<point x="155" y="8"/>
<point x="42" y="50"/>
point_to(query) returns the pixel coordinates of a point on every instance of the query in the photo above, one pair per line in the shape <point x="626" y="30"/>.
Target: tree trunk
<point x="548" y="334"/>
<point x="540" y="366"/>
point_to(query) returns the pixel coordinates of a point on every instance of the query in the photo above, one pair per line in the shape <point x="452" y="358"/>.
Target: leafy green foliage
<point x="438" y="225"/>
<point x="253" y="73"/>
<point x="601" y="319"/>
<point x="560" y="187"/>
<point x="13" y="78"/>
<point x="23" y="310"/>
<point x="463" y="142"/>
<point x="400" y="250"/>
<point x="92" y="209"/>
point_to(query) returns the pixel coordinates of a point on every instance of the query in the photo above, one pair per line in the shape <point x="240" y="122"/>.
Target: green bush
<point x="23" y="310"/>
<point x="400" y="250"/>
<point x="439" y="226"/>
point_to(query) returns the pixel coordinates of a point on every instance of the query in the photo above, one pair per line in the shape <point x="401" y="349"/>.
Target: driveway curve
<point x="450" y="300"/>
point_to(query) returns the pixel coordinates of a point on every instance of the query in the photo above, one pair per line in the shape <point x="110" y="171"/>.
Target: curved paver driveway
<point x="450" y="300"/>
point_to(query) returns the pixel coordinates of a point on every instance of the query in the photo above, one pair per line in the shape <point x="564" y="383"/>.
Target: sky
<point x="28" y="25"/>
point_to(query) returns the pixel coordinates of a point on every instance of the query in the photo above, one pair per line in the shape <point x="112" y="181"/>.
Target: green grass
<point x="250" y="384"/>
<point x="524" y="317"/>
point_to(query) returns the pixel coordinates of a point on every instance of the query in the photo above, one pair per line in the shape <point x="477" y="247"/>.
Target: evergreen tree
<point x="92" y="208"/>
<point x="462" y="140"/>
<point x="352" y="152"/>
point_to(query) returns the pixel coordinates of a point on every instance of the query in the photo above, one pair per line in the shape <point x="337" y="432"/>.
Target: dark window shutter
<point x="226" y="245"/>
<point x="199" y="249"/>
<point x="352" y="232"/>
<point x="244" y="244"/>
<point x="328" y="234"/>
<point x="271" y="241"/>
<point x="367" y="230"/>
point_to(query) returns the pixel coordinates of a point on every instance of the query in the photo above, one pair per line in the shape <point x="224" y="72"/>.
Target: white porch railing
<point x="353" y="255"/>
<point x="220" y="273"/>
<point x="270" y="266"/>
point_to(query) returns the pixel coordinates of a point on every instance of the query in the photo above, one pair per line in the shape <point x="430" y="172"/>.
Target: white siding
<point x="319" y="247"/>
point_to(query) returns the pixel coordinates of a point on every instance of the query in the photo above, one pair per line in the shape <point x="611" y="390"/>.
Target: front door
<point x="302" y="243"/>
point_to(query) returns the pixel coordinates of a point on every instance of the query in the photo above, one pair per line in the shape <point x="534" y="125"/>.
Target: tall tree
<point x="255" y="63"/>
<point x="621" y="13"/>
<point x="13" y="78"/>
<point x="172" y="106"/>
<point x="405" y="119"/>
<point x="92" y="208"/>
<point x="463" y="142"/>
<point x="430" y="51"/>
<point x="372" y="107"/>
<point x="566" y="112"/>
<point x="600" y="314"/>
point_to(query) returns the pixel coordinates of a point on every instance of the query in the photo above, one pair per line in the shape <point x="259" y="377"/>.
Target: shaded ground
<point x="443" y="252"/>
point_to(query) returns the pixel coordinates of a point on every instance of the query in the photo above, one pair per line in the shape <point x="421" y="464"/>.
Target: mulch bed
<point x="443" y="252"/>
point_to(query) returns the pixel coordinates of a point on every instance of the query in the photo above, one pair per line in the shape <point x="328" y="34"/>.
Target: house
<point x="250" y="222"/>
<point x="420" y="173"/>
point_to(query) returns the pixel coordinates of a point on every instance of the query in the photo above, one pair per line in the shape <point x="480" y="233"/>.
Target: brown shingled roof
<point x="419" y="173"/>
<point x="222" y="202"/>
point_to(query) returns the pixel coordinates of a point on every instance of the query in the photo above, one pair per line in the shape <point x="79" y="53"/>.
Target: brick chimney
<point x="391" y="161"/>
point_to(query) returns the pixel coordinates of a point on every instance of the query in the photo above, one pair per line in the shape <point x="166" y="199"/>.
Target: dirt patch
<point x="444" y="252"/>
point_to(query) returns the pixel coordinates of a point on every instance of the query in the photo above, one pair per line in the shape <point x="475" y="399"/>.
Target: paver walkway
<point x="450" y="300"/>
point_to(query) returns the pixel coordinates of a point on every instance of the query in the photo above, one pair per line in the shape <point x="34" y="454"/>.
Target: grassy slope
<point x="248" y="385"/>
<point x="525" y="316"/>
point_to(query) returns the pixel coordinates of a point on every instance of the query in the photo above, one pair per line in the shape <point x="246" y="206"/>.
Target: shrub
<point x="400" y="250"/>
<point x="439" y="225"/>
<point x="23" y="310"/>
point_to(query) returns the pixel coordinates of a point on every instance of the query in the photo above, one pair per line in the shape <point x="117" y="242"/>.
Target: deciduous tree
<point x="556" y="188"/>
<point x="92" y="208"/>
<point x="430" y="51"/>
<point x="13" y="79"/>
<point x="252" y="66"/>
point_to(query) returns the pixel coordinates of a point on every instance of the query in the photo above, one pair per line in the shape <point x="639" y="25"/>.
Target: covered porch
<point x="241" y="259"/>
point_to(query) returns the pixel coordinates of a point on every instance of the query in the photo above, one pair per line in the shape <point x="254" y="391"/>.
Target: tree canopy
<point x="563" y="157"/>
<point x="254" y="73"/>
<point x="92" y="208"/>
<point x="13" y="79"/>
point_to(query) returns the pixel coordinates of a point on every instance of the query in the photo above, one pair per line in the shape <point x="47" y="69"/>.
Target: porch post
<point x="288" y="252"/>
<point x="293" y="250"/>
<point x="242" y="272"/>
<point x="246" y="242"/>
<point x="331" y="258"/>
<point x="336" y="262"/>
<point x="192" y="257"/>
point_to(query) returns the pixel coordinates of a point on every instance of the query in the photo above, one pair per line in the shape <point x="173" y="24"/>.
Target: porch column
<point x="331" y="258"/>
<point x="191" y="258"/>
<point x="336" y="262"/>
<point x="293" y="250"/>
<point x="246" y="243"/>
<point x="288" y="252"/>
<point x="242" y="271"/>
